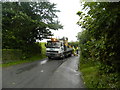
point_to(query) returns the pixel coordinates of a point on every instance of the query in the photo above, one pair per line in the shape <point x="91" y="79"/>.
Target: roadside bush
<point x="10" y="55"/>
<point x="99" y="40"/>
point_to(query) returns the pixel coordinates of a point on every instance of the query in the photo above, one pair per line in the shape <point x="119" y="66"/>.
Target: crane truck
<point x="58" y="48"/>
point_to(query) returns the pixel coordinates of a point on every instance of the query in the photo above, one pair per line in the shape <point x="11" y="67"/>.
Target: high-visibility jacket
<point x="73" y="48"/>
<point x="76" y="48"/>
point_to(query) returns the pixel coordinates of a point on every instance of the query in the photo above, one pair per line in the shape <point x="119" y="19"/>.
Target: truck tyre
<point x="49" y="58"/>
<point x="66" y="55"/>
<point x="63" y="56"/>
<point x="70" y="54"/>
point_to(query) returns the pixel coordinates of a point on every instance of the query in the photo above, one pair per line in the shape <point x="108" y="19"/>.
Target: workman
<point x="74" y="51"/>
<point x="77" y="49"/>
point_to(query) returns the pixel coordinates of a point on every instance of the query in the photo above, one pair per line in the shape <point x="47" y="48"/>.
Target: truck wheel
<point x="49" y="57"/>
<point x="70" y="54"/>
<point x="63" y="56"/>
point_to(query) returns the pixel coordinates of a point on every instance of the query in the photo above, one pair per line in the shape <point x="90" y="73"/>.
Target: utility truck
<point x="58" y="48"/>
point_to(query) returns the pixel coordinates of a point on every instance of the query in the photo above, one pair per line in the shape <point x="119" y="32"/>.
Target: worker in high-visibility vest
<point x="74" y="51"/>
<point x="77" y="49"/>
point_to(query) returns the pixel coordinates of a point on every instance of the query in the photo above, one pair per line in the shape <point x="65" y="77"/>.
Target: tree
<point x="102" y="25"/>
<point x="25" y="22"/>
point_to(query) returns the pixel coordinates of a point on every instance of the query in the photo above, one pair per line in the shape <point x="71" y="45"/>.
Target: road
<point x="43" y="74"/>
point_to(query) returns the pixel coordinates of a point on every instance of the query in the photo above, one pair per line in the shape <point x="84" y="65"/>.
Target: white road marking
<point x="77" y="74"/>
<point x="73" y="70"/>
<point x="41" y="71"/>
<point x="13" y="82"/>
<point x="43" y="62"/>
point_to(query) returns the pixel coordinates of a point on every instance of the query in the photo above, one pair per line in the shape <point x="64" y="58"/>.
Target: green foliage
<point x="99" y="40"/>
<point x="26" y="22"/>
<point x="32" y="49"/>
<point x="43" y="51"/>
<point x="95" y="79"/>
<point x="15" y="56"/>
<point x="75" y="44"/>
<point x="10" y="55"/>
<point x="89" y="74"/>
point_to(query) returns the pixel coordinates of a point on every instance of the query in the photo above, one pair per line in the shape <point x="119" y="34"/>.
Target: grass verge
<point x="94" y="78"/>
<point x="33" y="58"/>
<point x="89" y="73"/>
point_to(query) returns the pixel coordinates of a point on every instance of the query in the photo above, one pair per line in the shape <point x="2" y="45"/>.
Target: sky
<point x="67" y="18"/>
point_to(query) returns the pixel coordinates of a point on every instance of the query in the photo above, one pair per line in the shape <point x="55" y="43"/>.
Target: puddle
<point x="77" y="74"/>
<point x="41" y="71"/>
<point x="13" y="83"/>
<point x="43" y="62"/>
<point x="26" y="68"/>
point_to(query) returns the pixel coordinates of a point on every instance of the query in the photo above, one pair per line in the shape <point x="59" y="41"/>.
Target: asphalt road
<point x="43" y="74"/>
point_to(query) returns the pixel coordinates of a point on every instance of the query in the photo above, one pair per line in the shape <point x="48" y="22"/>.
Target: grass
<point x="89" y="72"/>
<point x="33" y="58"/>
<point x="94" y="79"/>
<point x="43" y="48"/>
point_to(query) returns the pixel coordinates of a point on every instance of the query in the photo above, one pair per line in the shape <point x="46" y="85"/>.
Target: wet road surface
<point x="43" y="74"/>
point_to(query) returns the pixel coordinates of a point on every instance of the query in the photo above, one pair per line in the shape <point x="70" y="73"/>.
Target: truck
<point x="58" y="48"/>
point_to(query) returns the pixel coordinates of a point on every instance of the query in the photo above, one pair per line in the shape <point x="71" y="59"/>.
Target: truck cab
<point x="56" y="48"/>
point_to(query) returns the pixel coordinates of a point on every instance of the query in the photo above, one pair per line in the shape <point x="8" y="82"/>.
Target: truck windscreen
<point x="53" y="44"/>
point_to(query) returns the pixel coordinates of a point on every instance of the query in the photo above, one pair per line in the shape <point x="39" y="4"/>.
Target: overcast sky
<point x="68" y="18"/>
